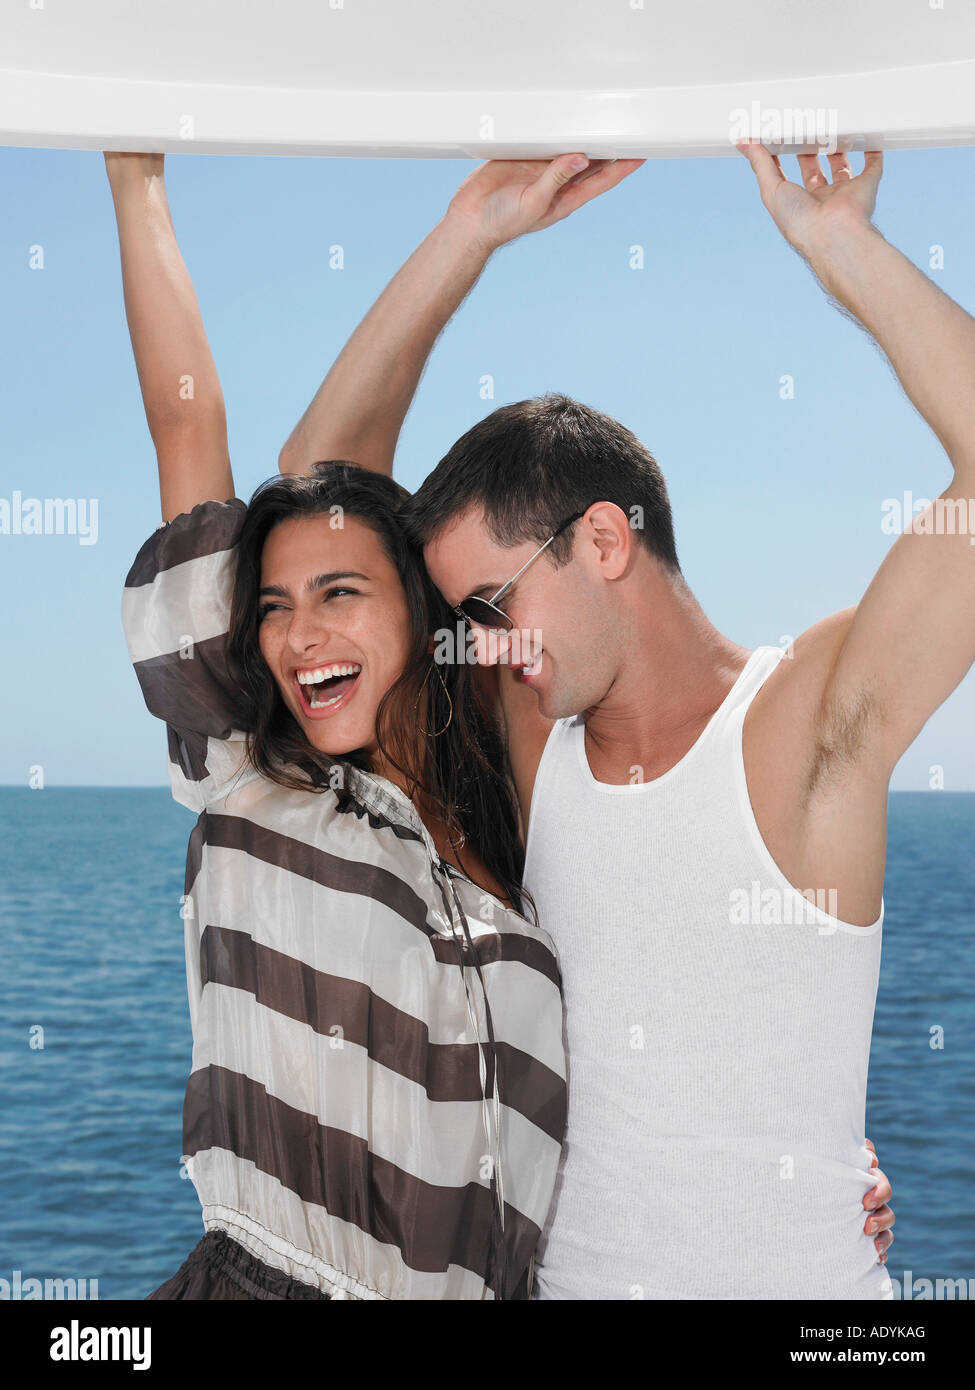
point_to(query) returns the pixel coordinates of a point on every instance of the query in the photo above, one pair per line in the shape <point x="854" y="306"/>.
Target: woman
<point x="377" y="1096"/>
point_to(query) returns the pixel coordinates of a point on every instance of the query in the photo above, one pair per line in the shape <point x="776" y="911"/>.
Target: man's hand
<point x="881" y="1218"/>
<point x="505" y="198"/>
<point x="807" y="216"/>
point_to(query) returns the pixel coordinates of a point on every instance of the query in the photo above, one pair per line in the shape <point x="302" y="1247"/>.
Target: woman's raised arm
<point x="180" y="387"/>
<point x="359" y="409"/>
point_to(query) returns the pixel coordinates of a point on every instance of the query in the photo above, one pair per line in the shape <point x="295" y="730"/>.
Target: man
<point x="687" y="786"/>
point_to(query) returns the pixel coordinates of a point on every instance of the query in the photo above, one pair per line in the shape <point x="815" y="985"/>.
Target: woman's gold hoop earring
<point x="435" y="667"/>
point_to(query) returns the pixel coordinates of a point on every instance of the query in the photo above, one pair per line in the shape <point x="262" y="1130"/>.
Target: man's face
<point x="558" y="645"/>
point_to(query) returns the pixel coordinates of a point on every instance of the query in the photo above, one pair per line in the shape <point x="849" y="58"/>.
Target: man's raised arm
<point x="359" y="409"/>
<point x="911" y="639"/>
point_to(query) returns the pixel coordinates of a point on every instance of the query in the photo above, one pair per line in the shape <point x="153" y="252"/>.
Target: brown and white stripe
<point x="336" y="1116"/>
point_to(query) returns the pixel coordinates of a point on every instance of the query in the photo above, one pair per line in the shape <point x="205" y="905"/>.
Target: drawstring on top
<point x="499" y="1252"/>
<point x="360" y="795"/>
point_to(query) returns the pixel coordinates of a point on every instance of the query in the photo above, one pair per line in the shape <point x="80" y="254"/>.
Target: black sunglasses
<point x="484" y="612"/>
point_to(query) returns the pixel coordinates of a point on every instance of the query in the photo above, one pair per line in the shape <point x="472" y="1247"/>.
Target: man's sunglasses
<point x="484" y="612"/>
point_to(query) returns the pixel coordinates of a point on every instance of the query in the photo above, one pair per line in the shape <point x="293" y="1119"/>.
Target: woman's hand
<point x="505" y="198"/>
<point x="121" y="166"/>
<point x="881" y="1218"/>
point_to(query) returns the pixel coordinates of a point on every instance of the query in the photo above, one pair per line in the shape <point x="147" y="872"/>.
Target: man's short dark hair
<point x="532" y="464"/>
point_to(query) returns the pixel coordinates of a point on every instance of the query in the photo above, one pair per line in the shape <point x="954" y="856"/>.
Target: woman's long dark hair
<point x="463" y="771"/>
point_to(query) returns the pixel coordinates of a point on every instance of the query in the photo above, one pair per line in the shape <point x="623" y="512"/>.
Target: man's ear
<point x="608" y="528"/>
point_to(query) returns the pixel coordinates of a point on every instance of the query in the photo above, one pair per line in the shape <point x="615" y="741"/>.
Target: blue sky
<point x="778" y="503"/>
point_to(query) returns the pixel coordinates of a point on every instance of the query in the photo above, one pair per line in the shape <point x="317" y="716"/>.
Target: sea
<point x="95" y="1044"/>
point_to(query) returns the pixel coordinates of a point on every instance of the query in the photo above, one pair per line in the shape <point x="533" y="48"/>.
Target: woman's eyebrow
<point x="320" y="581"/>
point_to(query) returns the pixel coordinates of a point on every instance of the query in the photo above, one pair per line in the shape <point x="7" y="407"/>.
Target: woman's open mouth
<point x="324" y="689"/>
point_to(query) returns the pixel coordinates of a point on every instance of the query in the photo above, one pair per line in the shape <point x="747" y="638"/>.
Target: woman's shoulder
<point x="209" y="528"/>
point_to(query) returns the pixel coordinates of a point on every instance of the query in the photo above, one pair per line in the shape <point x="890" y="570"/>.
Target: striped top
<point x="352" y="996"/>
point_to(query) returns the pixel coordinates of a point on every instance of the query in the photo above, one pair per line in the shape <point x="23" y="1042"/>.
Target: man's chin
<point x="547" y="703"/>
<point x="558" y="704"/>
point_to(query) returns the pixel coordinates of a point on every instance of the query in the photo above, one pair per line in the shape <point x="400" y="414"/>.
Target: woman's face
<point x="333" y="626"/>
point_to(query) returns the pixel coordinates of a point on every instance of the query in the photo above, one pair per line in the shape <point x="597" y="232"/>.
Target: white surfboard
<point x="486" y="78"/>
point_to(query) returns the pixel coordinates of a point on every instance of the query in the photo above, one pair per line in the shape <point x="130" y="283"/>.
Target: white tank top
<point x="718" y="1027"/>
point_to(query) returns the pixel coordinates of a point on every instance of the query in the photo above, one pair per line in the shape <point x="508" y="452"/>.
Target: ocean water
<point x="91" y="953"/>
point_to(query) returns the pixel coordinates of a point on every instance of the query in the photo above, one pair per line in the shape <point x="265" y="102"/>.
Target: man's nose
<point x="491" y="646"/>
